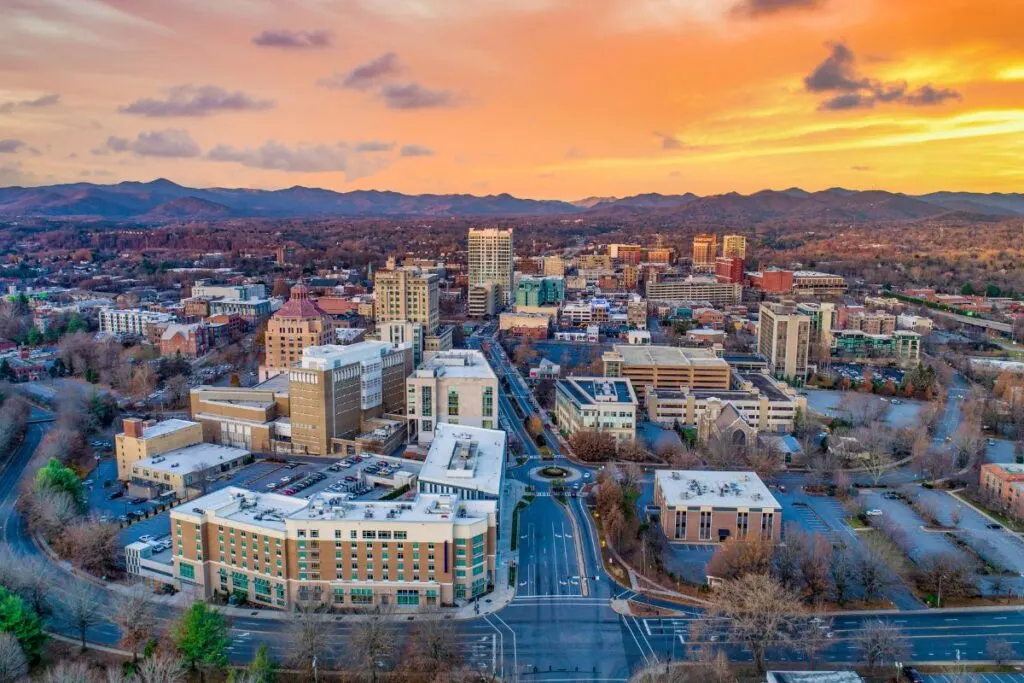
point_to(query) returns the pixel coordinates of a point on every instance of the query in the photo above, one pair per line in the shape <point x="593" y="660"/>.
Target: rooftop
<point x="595" y="390"/>
<point x="697" y="488"/>
<point x="166" y="427"/>
<point x="274" y="511"/>
<point x="767" y="386"/>
<point x="331" y="356"/>
<point x="198" y="457"/>
<point x="457" y="363"/>
<point x="277" y="384"/>
<point x="667" y="355"/>
<point x="466" y="457"/>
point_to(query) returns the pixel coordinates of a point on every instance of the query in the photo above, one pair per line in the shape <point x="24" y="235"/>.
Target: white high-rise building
<point x="491" y="259"/>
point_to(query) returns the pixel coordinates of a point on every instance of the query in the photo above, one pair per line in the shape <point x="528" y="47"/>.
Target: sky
<point x="538" y="98"/>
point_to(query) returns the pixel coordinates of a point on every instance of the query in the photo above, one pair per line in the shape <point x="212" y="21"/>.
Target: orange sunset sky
<point x="538" y="98"/>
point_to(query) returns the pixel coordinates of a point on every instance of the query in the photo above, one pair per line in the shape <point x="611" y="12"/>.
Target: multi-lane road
<point x="560" y="626"/>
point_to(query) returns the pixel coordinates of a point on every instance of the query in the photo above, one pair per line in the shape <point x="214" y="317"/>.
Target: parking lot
<point x="689" y="561"/>
<point x="917" y="543"/>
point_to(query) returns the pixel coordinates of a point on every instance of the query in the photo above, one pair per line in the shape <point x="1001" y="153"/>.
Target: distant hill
<point x="163" y="201"/>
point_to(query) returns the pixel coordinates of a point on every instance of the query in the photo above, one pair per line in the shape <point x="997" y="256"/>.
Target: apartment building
<point x="554" y="265"/>
<point x="729" y="269"/>
<point x="284" y="552"/>
<point x="190" y="341"/>
<point x="540" y="291"/>
<point x="466" y="461"/>
<point x="765" y="404"/>
<point x="636" y="313"/>
<point x="902" y="344"/>
<point x="457" y="387"/>
<point x="533" y="325"/>
<point x="407" y="294"/>
<point x="335" y="389"/>
<point x="300" y="323"/>
<point x="666" y="367"/>
<point x="132" y="321"/>
<point x="705" y="251"/>
<point x="783" y="338"/>
<point x="491" y="259"/>
<point x="252" y="310"/>
<point x="141" y="440"/>
<point x="484" y="300"/>
<point x="605" y="404"/>
<point x="813" y="283"/>
<point x="823" y="318"/>
<point x="871" y="322"/>
<point x="1002" y="484"/>
<point x="209" y="290"/>
<point x="734" y="246"/>
<point x="708" y="289"/>
<point x="698" y="506"/>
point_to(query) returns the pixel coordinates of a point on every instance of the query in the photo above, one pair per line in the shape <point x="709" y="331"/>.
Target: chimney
<point x="133" y="427"/>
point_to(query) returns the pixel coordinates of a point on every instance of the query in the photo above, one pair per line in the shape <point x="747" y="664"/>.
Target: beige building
<point x="184" y="472"/>
<point x="296" y="325"/>
<point x="764" y="403"/>
<point x="492" y="259"/>
<point x="666" y="367"/>
<point x="871" y="322"/>
<point x="711" y="507"/>
<point x="705" y="251"/>
<point x="283" y="551"/>
<point x="636" y="313"/>
<point x="783" y="338"/>
<point x="734" y="246"/>
<point x="457" y="387"/>
<point x="335" y="389"/>
<point x="141" y="440"/>
<point x="484" y="300"/>
<point x="407" y="294"/>
<point x="601" y="403"/>
<point x="254" y="418"/>
<point x="554" y="265"/>
<point x="695" y="289"/>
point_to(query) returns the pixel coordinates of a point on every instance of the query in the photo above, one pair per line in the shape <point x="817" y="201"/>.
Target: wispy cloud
<point x="170" y="143"/>
<point x="191" y="100"/>
<point x="11" y="145"/>
<point x="368" y="76"/>
<point x="415" y="96"/>
<point x="760" y="8"/>
<point x="294" y="40"/>
<point x="416" y="151"/>
<point x="47" y="100"/>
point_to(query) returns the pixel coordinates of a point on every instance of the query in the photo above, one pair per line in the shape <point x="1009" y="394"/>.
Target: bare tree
<point x="66" y="671"/>
<point x="136" y="615"/>
<point x="30" y="576"/>
<point x="877" y="456"/>
<point x="841" y="573"/>
<point x="999" y="650"/>
<point x="875" y="575"/>
<point x="81" y="607"/>
<point x="49" y="510"/>
<point x="90" y="545"/>
<point x="815" y="635"/>
<point x="307" y="634"/>
<point x="13" y="665"/>
<point x="760" y="612"/>
<point x="880" y="641"/>
<point x="739" y="557"/>
<point x="162" y="667"/>
<point x="373" y="642"/>
<point x="434" y="649"/>
<point x="945" y="576"/>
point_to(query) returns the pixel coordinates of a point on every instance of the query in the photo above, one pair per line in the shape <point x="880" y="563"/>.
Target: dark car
<point x="114" y="495"/>
<point x="137" y="501"/>
<point x="994" y="525"/>
<point x="912" y="675"/>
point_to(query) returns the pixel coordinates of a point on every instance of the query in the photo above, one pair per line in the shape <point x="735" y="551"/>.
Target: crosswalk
<point x="808" y="520"/>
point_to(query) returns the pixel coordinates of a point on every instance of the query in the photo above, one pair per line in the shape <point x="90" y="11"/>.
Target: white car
<point x="145" y="539"/>
<point x="874" y="512"/>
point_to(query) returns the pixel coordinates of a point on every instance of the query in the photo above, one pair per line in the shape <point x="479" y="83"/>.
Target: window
<point x="487" y="405"/>
<point x="453" y="402"/>
<point x="705" y="525"/>
<point x="767" y="522"/>
<point x="186" y="571"/>
<point x="400" y="535"/>
<point x="362" y="596"/>
<point x="742" y="522"/>
<point x="369" y="534"/>
<point x="427" y="403"/>
<point x="408" y="597"/>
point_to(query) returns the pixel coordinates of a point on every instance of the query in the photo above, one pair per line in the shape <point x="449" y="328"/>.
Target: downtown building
<point x="698" y="506"/>
<point x="325" y="552"/>
<point x="457" y="387"/>
<point x="407" y="311"/>
<point x="603" y="404"/>
<point x="666" y="288"/>
<point x="133" y="322"/>
<point x="298" y="324"/>
<point x="666" y="367"/>
<point x="705" y="251"/>
<point x="492" y="260"/>
<point x="783" y="338"/>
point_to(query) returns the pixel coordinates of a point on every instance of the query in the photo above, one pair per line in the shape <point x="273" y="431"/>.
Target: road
<point x="560" y="626"/>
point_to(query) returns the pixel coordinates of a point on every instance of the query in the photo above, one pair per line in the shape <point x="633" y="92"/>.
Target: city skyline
<point x="451" y="96"/>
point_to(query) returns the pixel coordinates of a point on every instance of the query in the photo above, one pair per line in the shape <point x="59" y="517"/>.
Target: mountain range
<point x="163" y="201"/>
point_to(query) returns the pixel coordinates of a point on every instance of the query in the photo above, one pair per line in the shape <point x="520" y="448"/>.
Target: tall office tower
<point x="408" y="294"/>
<point x="783" y="337"/>
<point x="296" y="325"/>
<point x="491" y="260"/>
<point x="705" y="251"/>
<point x="734" y="246"/>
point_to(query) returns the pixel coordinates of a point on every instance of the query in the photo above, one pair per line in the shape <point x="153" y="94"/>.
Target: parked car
<point x="995" y="525"/>
<point x="137" y="501"/>
<point x="115" y="495"/>
<point x="145" y="538"/>
<point x="912" y="675"/>
<point x="874" y="512"/>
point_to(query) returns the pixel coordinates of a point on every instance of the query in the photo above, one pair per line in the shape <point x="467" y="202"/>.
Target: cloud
<point x="294" y="40"/>
<point x="575" y="153"/>
<point x="171" y="143"/>
<point x="415" y="96"/>
<point x="95" y="173"/>
<point x="838" y="74"/>
<point x="669" y="141"/>
<point x="416" y="151"/>
<point x="11" y="145"/>
<point x="374" y="146"/>
<point x="928" y="95"/>
<point x="299" y="159"/>
<point x="860" y="168"/>
<point x="366" y="76"/>
<point x="15" y="174"/>
<point x="758" y="8"/>
<point x="42" y="101"/>
<point x="191" y="100"/>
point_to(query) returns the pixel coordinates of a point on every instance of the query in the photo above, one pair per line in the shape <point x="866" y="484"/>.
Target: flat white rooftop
<point x="707" y="488"/>
<point x="273" y="511"/>
<point x="200" y="456"/>
<point x="457" y="363"/>
<point x="331" y="356"/>
<point x="166" y="427"/>
<point x="667" y="355"/>
<point x="469" y="458"/>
